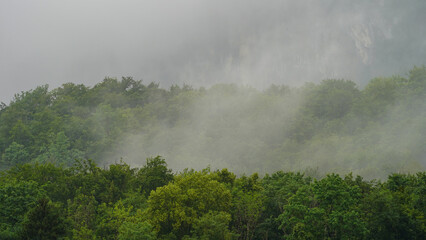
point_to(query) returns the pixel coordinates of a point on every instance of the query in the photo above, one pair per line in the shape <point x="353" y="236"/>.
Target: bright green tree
<point x="174" y="208"/>
<point x="110" y="218"/>
<point x="130" y="230"/>
<point x="213" y="225"/>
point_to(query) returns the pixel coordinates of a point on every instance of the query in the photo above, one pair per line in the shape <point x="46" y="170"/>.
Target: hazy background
<point x="200" y="43"/>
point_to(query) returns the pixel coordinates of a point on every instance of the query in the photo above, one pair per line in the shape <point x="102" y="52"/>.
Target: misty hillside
<point x="332" y="126"/>
<point x="235" y="120"/>
<point x="202" y="42"/>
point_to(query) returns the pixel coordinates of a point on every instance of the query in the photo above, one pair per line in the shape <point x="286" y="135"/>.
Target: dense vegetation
<point x="44" y="201"/>
<point x="328" y="127"/>
<point x="50" y="188"/>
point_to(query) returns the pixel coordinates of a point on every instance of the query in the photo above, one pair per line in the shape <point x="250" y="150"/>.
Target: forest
<point x="320" y="161"/>
<point x="333" y="126"/>
<point x="46" y="201"/>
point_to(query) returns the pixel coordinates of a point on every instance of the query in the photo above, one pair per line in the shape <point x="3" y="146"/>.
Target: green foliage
<point x="378" y="95"/>
<point x="225" y="176"/>
<point x="52" y="142"/>
<point x="330" y="126"/>
<point x="326" y="209"/>
<point x="136" y="230"/>
<point x="16" y="154"/>
<point x="332" y="99"/>
<point x="247" y="205"/>
<point x="174" y="207"/>
<point x="417" y="80"/>
<point x="43" y="222"/>
<point x="213" y="225"/>
<point x="109" y="220"/>
<point x="117" y="182"/>
<point x="59" y="152"/>
<point x="277" y="190"/>
<point x="82" y="216"/>
<point x="88" y="178"/>
<point x="54" y="180"/>
<point x="20" y="133"/>
<point x="16" y="198"/>
<point x="153" y="175"/>
<point x="205" y="205"/>
<point x="406" y="206"/>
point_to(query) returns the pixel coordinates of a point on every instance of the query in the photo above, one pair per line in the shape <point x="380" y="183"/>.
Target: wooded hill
<point x="332" y="126"/>
<point x="62" y="177"/>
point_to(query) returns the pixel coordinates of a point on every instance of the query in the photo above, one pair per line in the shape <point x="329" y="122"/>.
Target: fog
<point x="246" y="130"/>
<point x="228" y="127"/>
<point x="201" y="43"/>
<point x="211" y="44"/>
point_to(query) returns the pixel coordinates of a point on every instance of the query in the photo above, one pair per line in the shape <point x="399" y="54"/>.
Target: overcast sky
<point x="201" y="42"/>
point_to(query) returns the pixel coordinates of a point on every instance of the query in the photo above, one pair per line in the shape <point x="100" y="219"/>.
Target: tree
<point x="136" y="230"/>
<point x="301" y="218"/>
<point x="175" y="207"/>
<point x="397" y="208"/>
<point x="82" y="216"/>
<point x="54" y="179"/>
<point x="20" y="133"/>
<point x="118" y="180"/>
<point x="247" y="205"/>
<point x="278" y="188"/>
<point x="59" y="152"/>
<point x="16" y="154"/>
<point x="110" y="218"/>
<point x="332" y="99"/>
<point x="153" y="175"/>
<point x="417" y="80"/>
<point x="43" y="222"/>
<point x="213" y="225"/>
<point x="329" y="208"/>
<point x="377" y="96"/>
<point x="16" y="198"/>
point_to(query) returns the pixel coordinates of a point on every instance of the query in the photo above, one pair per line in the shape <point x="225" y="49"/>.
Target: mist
<point x="249" y="64"/>
<point x="246" y="130"/>
<point x="202" y="43"/>
<point x="226" y="127"/>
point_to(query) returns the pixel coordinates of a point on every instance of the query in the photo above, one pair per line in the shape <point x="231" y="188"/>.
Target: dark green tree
<point x="332" y="99"/>
<point x="43" y="222"/>
<point x="16" y="198"/>
<point x="247" y="206"/>
<point x="154" y="174"/>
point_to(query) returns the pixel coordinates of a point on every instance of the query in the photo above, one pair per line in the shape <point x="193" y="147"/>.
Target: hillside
<point x="329" y="127"/>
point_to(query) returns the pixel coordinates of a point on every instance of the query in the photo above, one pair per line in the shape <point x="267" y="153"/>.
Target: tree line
<point x="47" y="201"/>
<point x="332" y="126"/>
